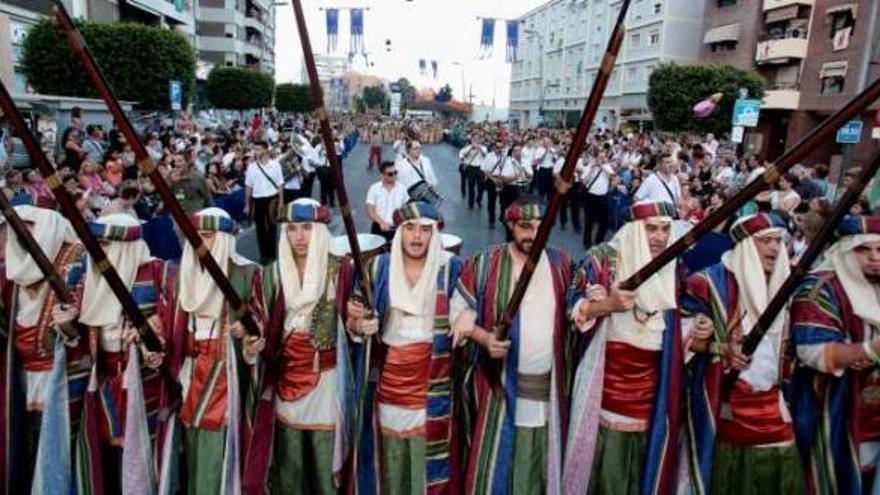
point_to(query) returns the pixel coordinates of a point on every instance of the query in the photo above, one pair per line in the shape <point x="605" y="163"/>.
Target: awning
<point x="718" y="34"/>
<point x="833" y="69"/>
<point x="842" y="8"/>
<point x="783" y="14"/>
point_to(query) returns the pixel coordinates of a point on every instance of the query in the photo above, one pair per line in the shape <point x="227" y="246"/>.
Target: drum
<point x="422" y="191"/>
<point x="522" y="187"/>
<point x="371" y="245"/>
<point x="451" y="243"/>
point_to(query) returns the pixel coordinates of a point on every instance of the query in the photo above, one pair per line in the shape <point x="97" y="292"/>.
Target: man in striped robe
<point x="109" y="328"/>
<point x="520" y="384"/>
<point x="302" y="421"/>
<point x="835" y="316"/>
<point x="35" y="319"/>
<point x="625" y="406"/>
<point x="745" y="445"/>
<point x="408" y="442"/>
<point x="212" y="359"/>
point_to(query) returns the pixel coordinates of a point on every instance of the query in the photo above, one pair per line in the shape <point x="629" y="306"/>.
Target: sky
<point x="447" y="31"/>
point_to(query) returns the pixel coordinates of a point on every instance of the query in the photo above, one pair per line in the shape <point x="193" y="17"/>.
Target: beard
<point x="524" y="246"/>
<point x="873" y="279"/>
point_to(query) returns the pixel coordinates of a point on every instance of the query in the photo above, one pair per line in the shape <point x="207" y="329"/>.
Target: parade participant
<point x="34" y="318"/>
<point x="383" y="199"/>
<point x="514" y="178"/>
<point x="662" y="185"/>
<point x="414" y="167"/>
<point x="471" y="158"/>
<point x="415" y="438"/>
<point x="628" y="381"/>
<point x="516" y="436"/>
<point x="205" y="332"/>
<point x="746" y="445"/>
<point x="306" y="361"/>
<point x="491" y="169"/>
<point x="835" y="319"/>
<point x="542" y="167"/>
<point x="101" y="312"/>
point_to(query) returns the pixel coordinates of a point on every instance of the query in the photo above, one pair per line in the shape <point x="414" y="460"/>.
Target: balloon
<point x="704" y="109"/>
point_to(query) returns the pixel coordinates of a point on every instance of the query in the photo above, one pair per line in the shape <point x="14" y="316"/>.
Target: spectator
<point x="93" y="144"/>
<point x="383" y="198"/>
<point x="662" y="185"/>
<point x="129" y="193"/>
<point x="189" y="187"/>
<point x="74" y="154"/>
<point x="217" y="182"/>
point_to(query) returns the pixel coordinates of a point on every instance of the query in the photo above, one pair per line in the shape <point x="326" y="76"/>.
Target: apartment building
<point x="237" y="33"/>
<point x="561" y="47"/>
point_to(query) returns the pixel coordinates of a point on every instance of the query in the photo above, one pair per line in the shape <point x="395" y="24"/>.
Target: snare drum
<point x="371" y="245"/>
<point x="451" y="243"/>
<point x="422" y="191"/>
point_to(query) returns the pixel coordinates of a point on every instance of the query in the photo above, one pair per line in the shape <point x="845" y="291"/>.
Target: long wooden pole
<point x="818" y="136"/>
<point x="148" y="167"/>
<point x="564" y="183"/>
<point x="824" y="237"/>
<point x="347" y="220"/>
<point x="68" y="206"/>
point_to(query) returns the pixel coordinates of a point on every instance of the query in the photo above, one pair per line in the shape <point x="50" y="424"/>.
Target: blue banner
<point x="332" y="29"/>
<point x="357" y="31"/>
<point x="423" y="67"/>
<point x="487" y="36"/>
<point x="434" y="68"/>
<point x="512" y="40"/>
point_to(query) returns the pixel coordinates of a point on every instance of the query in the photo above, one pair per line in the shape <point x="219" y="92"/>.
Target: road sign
<point x="746" y="112"/>
<point x="851" y="132"/>
<point x="737" y="134"/>
<point x="175" y="92"/>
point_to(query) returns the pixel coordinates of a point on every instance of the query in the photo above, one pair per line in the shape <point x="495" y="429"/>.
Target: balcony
<point x="781" y="99"/>
<point x="776" y="4"/>
<point x="780" y="51"/>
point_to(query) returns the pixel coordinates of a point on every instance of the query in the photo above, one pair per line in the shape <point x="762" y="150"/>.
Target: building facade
<point x="237" y="33"/>
<point x="561" y="47"/>
<point x="813" y="54"/>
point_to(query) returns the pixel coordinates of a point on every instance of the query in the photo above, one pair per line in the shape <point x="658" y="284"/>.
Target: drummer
<point x="383" y="198"/>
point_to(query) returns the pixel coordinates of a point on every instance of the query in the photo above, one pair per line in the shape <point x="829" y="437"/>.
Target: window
<point x="635" y="39"/>
<point x="726" y="3"/>
<point x="658" y="7"/>
<point x="631" y="74"/>
<point x="833" y="85"/>
<point x="723" y="46"/>
<point x="654" y="39"/>
<point x="841" y="20"/>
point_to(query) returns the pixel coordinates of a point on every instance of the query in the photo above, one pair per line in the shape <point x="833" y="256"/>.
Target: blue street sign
<point x="175" y="92"/>
<point x="746" y="112"/>
<point x="851" y="132"/>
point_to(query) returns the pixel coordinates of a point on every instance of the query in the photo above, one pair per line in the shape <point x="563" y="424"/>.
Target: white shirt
<point x="407" y="174"/>
<point x="514" y="169"/>
<point x="545" y="157"/>
<point x="597" y="177"/>
<point x="386" y="201"/>
<point x="472" y="155"/>
<point x="658" y="189"/>
<point x="317" y="157"/>
<point x="491" y="164"/>
<point x="259" y="183"/>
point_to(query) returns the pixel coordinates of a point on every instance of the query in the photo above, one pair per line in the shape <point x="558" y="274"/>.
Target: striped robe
<point x="832" y="414"/>
<point x="485" y="286"/>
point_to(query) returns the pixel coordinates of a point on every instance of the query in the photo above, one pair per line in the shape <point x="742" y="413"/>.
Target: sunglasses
<point x="390" y="174"/>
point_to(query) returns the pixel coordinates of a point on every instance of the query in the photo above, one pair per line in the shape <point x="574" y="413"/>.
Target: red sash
<point x="207" y="388"/>
<point x="404" y="380"/>
<point x="301" y="366"/>
<point x="29" y="349"/>
<point x="631" y="377"/>
<point x="757" y="419"/>
<point x="869" y="410"/>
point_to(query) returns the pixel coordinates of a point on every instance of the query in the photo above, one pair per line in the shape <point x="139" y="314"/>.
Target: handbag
<point x="274" y="203"/>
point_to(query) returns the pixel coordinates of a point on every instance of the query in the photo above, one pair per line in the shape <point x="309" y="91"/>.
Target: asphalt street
<point x="471" y="225"/>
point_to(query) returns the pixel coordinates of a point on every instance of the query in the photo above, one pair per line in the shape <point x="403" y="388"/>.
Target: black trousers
<point x="266" y="230"/>
<point x="544" y="178"/>
<point x="474" y="178"/>
<point x="328" y="188"/>
<point x="573" y="202"/>
<point x="595" y="214"/>
<point x="462" y="179"/>
<point x="307" y="185"/>
<point x="388" y="236"/>
<point x="491" y="200"/>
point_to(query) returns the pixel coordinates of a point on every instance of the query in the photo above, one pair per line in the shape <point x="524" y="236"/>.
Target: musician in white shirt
<point x="514" y="177"/>
<point x="470" y="159"/>
<point x="413" y="167"/>
<point x="383" y="198"/>
<point x="596" y="178"/>
<point x="662" y="185"/>
<point x="491" y="169"/>
<point x="543" y="161"/>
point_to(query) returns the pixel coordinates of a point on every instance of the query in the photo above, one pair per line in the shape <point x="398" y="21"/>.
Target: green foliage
<point x="291" y="97"/>
<point x="238" y="88"/>
<point x="137" y="60"/>
<point x="444" y="95"/>
<point x="673" y="90"/>
<point x="375" y="96"/>
<point x="407" y="91"/>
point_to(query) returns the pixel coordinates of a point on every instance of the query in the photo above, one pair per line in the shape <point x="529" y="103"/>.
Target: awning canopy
<point x="833" y="69"/>
<point x="782" y="14"/>
<point x="842" y="8"/>
<point x="719" y="34"/>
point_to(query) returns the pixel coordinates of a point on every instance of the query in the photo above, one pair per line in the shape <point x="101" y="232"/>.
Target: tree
<point x="374" y="96"/>
<point x="444" y="95"/>
<point x="293" y="98"/>
<point x="673" y="90"/>
<point x="238" y="88"/>
<point x="407" y="91"/>
<point x="137" y="60"/>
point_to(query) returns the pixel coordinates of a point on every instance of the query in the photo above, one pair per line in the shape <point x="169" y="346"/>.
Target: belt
<point x="533" y="387"/>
